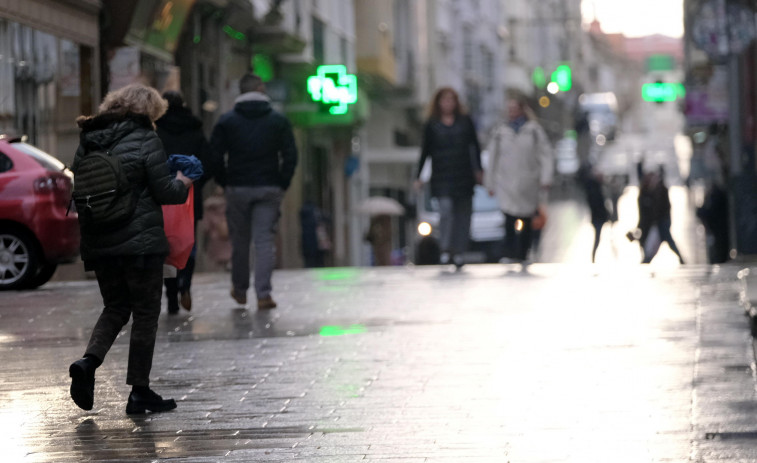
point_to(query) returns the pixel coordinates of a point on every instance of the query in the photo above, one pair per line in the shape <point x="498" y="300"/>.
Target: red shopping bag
<point x="178" y="223"/>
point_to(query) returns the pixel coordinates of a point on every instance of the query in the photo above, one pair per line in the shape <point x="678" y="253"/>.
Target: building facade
<point x="49" y="70"/>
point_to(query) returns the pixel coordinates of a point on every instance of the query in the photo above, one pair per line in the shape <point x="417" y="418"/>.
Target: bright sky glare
<point x="636" y="18"/>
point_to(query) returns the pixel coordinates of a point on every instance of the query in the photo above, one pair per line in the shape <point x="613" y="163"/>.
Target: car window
<point x="5" y="163"/>
<point x="45" y="160"/>
<point x="482" y="202"/>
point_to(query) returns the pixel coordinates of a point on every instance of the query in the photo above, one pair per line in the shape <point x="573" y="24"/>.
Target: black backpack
<point x="102" y="194"/>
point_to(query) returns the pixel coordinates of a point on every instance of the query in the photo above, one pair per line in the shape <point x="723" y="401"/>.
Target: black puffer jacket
<point x="455" y="157"/>
<point x="259" y="143"/>
<point x="181" y="133"/>
<point x="143" y="160"/>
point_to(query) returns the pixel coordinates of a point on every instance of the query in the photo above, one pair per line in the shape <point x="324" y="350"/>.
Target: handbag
<point x="178" y="223"/>
<point x="539" y="220"/>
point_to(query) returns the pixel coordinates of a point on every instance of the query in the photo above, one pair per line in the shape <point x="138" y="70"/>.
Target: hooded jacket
<point x="259" y="144"/>
<point x="132" y="138"/>
<point x="181" y="133"/>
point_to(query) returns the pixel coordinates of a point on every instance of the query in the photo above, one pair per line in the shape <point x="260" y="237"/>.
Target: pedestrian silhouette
<point x="595" y="197"/>
<point x="256" y="144"/>
<point x="181" y="133"/>
<point x="451" y="144"/>
<point x="654" y="215"/>
<point x="128" y="259"/>
<point x="519" y="175"/>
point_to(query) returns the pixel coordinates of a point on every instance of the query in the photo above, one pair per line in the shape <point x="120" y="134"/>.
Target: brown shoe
<point x="186" y="301"/>
<point x="239" y="296"/>
<point x="267" y="303"/>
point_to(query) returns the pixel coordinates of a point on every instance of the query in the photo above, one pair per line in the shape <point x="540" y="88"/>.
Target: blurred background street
<point x="380" y="349"/>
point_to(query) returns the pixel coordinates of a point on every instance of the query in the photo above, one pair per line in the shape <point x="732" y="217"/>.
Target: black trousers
<point x="518" y="237"/>
<point x="131" y="286"/>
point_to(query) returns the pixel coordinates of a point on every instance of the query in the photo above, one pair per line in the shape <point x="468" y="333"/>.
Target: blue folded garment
<point x="188" y="165"/>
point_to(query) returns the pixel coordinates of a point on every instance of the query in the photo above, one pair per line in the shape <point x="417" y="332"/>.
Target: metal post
<point x="734" y="143"/>
<point x="734" y="114"/>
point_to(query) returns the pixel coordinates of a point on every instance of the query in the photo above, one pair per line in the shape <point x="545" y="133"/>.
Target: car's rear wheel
<point x="18" y="259"/>
<point x="45" y="272"/>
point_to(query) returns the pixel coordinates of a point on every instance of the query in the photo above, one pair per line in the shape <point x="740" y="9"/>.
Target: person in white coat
<point x="520" y="172"/>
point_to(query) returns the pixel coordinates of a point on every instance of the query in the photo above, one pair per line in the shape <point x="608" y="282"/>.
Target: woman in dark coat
<point x="451" y="143"/>
<point x="181" y="133"/>
<point x="128" y="260"/>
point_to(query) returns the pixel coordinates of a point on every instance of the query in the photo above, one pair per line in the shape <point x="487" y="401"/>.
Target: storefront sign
<point x="721" y="28"/>
<point x="333" y="87"/>
<point x="158" y="25"/>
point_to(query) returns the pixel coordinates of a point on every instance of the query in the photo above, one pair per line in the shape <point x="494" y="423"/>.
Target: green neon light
<point x="563" y="77"/>
<point x="333" y="330"/>
<point x="233" y="33"/>
<point x="197" y="39"/>
<point x="539" y="77"/>
<point x="658" y="92"/>
<point x="263" y="66"/>
<point x="332" y="86"/>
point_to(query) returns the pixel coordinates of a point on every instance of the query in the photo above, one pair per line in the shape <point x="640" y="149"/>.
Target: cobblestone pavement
<point x="565" y="363"/>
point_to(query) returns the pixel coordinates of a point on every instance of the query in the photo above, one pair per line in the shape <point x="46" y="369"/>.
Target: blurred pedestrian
<point x="592" y="183"/>
<point x="316" y="242"/>
<point x="215" y="228"/>
<point x="380" y="236"/>
<point x="261" y="157"/>
<point x="451" y="143"/>
<point x="127" y="260"/>
<point x="584" y="137"/>
<point x="714" y="216"/>
<point x="654" y="215"/>
<point x="521" y="168"/>
<point x="181" y="133"/>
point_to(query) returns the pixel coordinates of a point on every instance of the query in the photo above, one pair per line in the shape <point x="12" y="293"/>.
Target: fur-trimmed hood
<point x="105" y="129"/>
<point x="102" y="121"/>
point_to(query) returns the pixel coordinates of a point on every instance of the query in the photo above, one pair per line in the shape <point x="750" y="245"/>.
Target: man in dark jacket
<point x="261" y="156"/>
<point x="181" y="133"/>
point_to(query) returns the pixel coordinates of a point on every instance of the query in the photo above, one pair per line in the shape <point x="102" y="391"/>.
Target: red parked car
<point x="36" y="233"/>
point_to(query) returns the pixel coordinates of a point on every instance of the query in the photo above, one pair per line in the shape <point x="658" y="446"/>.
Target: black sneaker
<point x="140" y="402"/>
<point x="82" y="374"/>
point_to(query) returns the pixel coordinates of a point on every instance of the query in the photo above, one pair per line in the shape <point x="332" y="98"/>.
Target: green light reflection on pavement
<point x="334" y="274"/>
<point x="334" y="330"/>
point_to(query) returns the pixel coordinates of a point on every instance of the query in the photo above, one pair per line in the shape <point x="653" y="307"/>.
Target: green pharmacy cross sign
<point x="333" y="87"/>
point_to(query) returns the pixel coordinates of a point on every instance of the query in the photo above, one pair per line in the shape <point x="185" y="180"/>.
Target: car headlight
<point x="424" y="228"/>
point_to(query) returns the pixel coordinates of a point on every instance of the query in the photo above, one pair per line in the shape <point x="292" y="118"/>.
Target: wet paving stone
<point x="566" y="363"/>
